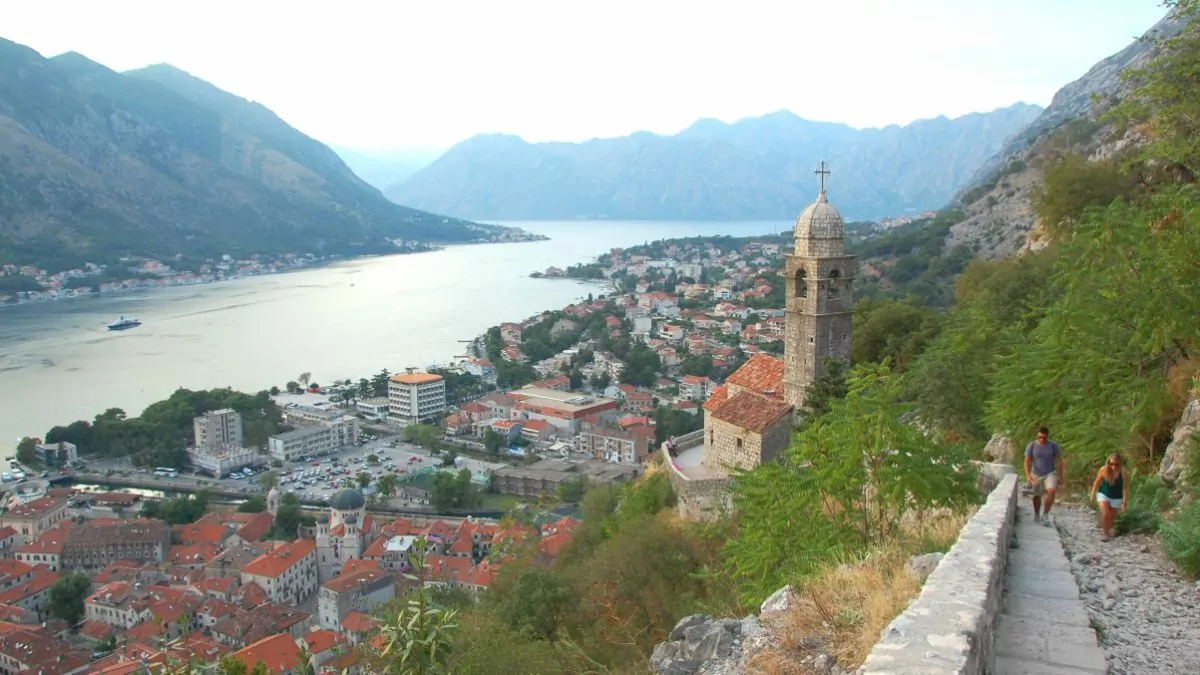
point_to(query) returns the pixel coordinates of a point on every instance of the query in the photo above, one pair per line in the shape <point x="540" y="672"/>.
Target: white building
<point x="287" y="572"/>
<point x="311" y="441"/>
<point x="373" y="408"/>
<point x="222" y="462"/>
<point x="415" y="397"/>
<point x="217" y="429"/>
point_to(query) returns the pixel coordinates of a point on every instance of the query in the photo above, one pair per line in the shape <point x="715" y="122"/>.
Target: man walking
<point x="1043" y="470"/>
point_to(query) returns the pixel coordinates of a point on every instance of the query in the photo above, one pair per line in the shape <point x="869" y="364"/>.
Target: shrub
<point x="1147" y="498"/>
<point x="1181" y="539"/>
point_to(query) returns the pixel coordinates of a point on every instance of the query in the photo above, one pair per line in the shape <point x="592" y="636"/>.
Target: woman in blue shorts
<point x="1111" y="490"/>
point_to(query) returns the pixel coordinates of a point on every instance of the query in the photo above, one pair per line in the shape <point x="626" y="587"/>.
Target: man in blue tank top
<point x="1043" y="470"/>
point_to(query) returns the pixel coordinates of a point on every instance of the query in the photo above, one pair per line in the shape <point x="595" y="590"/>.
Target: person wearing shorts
<point x="1111" y="492"/>
<point x="1044" y="471"/>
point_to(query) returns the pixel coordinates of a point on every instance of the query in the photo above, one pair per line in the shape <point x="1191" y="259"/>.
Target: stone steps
<point x="1043" y="628"/>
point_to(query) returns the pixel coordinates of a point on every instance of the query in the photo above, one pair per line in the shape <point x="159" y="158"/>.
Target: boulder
<point x="990" y="474"/>
<point x="776" y="603"/>
<point x="999" y="449"/>
<point x="1173" y="469"/>
<point x="921" y="566"/>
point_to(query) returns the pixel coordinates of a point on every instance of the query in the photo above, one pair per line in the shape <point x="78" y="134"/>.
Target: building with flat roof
<point x="55" y="455"/>
<point x="98" y="543"/>
<point x="373" y="408"/>
<point x="546" y="475"/>
<point x="217" y="429"/>
<point x="312" y="441"/>
<point x="416" y="397"/>
<point x="563" y="409"/>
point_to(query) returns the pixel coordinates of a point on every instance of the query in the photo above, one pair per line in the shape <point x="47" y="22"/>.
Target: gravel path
<point x="1146" y="615"/>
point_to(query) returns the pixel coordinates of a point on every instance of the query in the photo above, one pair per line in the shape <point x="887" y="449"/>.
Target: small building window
<point x="739" y="443"/>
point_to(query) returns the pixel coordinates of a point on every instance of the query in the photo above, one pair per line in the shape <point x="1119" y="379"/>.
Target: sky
<point x="421" y="73"/>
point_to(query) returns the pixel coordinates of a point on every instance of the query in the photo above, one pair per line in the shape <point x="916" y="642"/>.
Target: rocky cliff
<point x="758" y="168"/>
<point x="96" y="164"/>
<point x="998" y="200"/>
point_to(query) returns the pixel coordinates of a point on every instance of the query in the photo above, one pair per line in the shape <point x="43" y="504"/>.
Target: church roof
<point x="762" y="374"/>
<point x="820" y="221"/>
<point x="751" y="411"/>
<point x="348" y="500"/>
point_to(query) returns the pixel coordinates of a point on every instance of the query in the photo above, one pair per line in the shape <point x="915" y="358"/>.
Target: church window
<point x="801" y="284"/>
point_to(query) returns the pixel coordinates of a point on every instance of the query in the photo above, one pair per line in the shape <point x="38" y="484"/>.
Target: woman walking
<point x="1112" y="491"/>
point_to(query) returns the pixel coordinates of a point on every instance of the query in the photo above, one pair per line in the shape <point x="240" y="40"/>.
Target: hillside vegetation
<point x="96" y="165"/>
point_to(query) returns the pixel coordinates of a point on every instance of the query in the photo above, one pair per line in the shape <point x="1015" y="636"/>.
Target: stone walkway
<point x="1043" y="628"/>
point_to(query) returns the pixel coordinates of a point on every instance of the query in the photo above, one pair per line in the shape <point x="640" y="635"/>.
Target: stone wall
<point x="731" y="446"/>
<point x="948" y="628"/>
<point x="702" y="499"/>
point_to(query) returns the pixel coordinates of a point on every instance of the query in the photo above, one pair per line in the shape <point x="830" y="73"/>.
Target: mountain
<point x="757" y="168"/>
<point x="386" y="168"/>
<point x="998" y="200"/>
<point x="96" y="164"/>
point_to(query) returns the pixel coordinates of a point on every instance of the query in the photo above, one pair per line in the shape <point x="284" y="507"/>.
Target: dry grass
<point x="843" y="609"/>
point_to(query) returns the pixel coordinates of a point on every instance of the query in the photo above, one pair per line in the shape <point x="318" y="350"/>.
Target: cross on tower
<point x="822" y="172"/>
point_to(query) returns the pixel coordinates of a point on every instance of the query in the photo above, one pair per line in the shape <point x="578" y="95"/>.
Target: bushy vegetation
<point x="159" y="436"/>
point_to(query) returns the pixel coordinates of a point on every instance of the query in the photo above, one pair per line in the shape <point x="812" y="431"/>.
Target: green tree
<point x="890" y="329"/>
<point x="1095" y="367"/>
<point x="452" y="491"/>
<point x="25" y="452"/>
<point x="387" y="484"/>
<point x="289" y="517"/>
<point x="570" y="491"/>
<point x="492" y="441"/>
<point x="1165" y="96"/>
<point x="1074" y="184"/>
<point x="845" y="485"/>
<point x="372" y="458"/>
<point x="268" y="480"/>
<point x="417" y="634"/>
<point x="67" y="596"/>
<point x="536" y="603"/>
<point x="253" y="504"/>
<point x="363" y="478"/>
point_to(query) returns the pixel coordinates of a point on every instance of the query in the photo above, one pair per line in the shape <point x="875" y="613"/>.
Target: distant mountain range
<point x="386" y="168"/>
<point x="757" y="168"/>
<point x="95" y="165"/>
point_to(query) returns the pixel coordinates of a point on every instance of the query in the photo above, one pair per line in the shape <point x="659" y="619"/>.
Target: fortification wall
<point x="948" y="628"/>
<point x="697" y="499"/>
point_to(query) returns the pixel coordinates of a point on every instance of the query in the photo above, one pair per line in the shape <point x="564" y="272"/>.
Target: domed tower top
<point x="820" y="230"/>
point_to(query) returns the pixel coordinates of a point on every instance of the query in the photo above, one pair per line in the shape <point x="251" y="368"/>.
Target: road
<point x="313" y="481"/>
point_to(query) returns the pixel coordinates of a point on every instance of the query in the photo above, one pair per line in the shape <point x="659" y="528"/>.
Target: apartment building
<point x="98" y="543"/>
<point x="217" y="429"/>
<point x="320" y="439"/>
<point x="288" y="573"/>
<point x="359" y="591"/>
<point x="619" y="446"/>
<point x="35" y="517"/>
<point x="562" y="409"/>
<point x="416" y="397"/>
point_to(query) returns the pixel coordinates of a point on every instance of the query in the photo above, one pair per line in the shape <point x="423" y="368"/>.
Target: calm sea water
<point x="58" y="363"/>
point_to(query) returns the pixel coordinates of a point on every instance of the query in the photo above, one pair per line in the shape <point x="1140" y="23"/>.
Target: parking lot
<point x="315" y="479"/>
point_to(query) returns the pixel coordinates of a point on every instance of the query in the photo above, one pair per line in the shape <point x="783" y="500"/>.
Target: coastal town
<point x="293" y="573"/>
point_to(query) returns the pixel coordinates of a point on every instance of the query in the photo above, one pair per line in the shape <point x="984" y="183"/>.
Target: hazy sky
<point x="434" y="72"/>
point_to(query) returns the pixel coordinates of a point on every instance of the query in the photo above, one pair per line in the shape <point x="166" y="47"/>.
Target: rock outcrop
<point x="999" y="449"/>
<point x="1174" y="467"/>
<point x="703" y="645"/>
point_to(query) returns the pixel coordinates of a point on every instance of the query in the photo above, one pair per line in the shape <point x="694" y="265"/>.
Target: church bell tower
<point x="819" y="296"/>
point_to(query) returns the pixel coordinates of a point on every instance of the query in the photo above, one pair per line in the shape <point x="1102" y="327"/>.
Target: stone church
<point x="749" y="419"/>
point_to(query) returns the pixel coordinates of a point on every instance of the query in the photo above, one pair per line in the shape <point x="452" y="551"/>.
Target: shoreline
<point x="316" y="263"/>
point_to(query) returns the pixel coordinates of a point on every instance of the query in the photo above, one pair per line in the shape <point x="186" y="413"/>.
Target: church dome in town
<point x="348" y="500"/>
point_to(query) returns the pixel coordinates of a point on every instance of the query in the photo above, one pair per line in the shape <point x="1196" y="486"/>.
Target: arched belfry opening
<point x="833" y="287"/>
<point x="801" y="282"/>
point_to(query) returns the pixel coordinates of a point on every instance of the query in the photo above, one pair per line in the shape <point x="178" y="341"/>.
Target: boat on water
<point x="124" y="323"/>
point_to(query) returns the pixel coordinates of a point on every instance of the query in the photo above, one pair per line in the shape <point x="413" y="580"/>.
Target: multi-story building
<point x="362" y="590"/>
<point x="98" y="543"/>
<point x="323" y="438"/>
<point x="217" y="429"/>
<point x="25" y="586"/>
<point x="695" y="387"/>
<point x="55" y="455"/>
<point x="288" y="573"/>
<point x="616" y="445"/>
<point x="563" y="409"/>
<point x="35" y="517"/>
<point x="117" y="604"/>
<point x="416" y="397"/>
<point x="373" y="408"/>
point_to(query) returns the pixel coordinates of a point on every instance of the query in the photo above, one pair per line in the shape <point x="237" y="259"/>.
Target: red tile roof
<point x="357" y="622"/>
<point x="35" y="507"/>
<point x="256" y="527"/>
<point x="345" y="582"/>
<point x="42" y="579"/>
<point x="322" y="640"/>
<point x="762" y="374"/>
<point x="197" y="533"/>
<point x="278" y="653"/>
<point x="750" y="411"/>
<point x="95" y="630"/>
<point x="279" y="560"/>
<point x="193" y="554"/>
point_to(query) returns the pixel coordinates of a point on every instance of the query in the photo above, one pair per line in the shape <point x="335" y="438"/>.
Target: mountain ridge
<point x="755" y="168"/>
<point x="96" y="165"/>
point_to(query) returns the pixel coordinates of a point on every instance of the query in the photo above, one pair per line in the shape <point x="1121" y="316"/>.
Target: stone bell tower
<point x="820" y="296"/>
